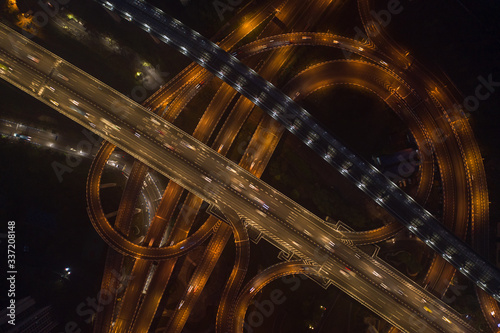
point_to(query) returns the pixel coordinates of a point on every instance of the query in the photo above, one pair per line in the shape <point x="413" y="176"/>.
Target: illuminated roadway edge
<point x="168" y="89"/>
<point x="118" y="241"/>
<point x="475" y="171"/>
<point x="256" y="284"/>
<point x="284" y="109"/>
<point x="325" y="39"/>
<point x="488" y="304"/>
<point x="405" y="312"/>
<point x="330" y="40"/>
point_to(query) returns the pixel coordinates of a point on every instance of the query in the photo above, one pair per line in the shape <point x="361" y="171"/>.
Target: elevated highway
<point x="282" y="108"/>
<point x="206" y="174"/>
<point x="447" y="100"/>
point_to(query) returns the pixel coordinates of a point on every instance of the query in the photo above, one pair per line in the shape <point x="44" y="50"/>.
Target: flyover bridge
<point x="282" y="108"/>
<point x="210" y="176"/>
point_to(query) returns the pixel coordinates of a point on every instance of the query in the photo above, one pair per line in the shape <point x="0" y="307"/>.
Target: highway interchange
<point x="297" y="120"/>
<point x="210" y="176"/>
